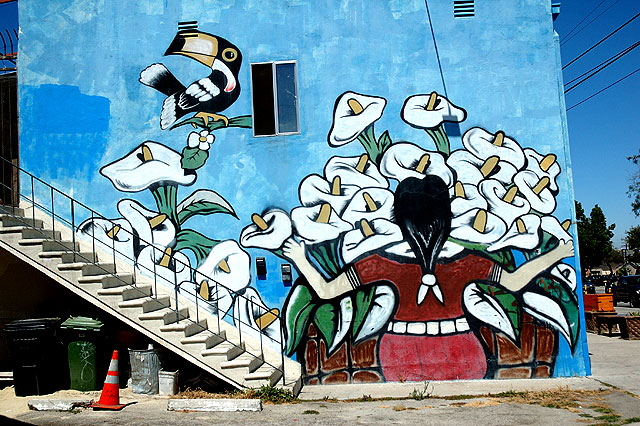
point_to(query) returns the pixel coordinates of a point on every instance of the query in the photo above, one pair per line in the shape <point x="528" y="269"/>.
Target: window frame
<point x="274" y="86"/>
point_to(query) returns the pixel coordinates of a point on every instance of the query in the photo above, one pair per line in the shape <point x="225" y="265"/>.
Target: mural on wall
<point x="156" y="239"/>
<point x="415" y="261"/>
<point x="407" y="254"/>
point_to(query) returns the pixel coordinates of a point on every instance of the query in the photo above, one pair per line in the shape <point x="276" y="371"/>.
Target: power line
<point x="584" y="19"/>
<point x="602" y="40"/>
<point x="600" y="67"/>
<point x="600" y="91"/>
<point x="567" y="37"/>
<point x="435" y="46"/>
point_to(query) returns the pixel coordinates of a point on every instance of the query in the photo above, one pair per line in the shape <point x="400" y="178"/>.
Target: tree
<point x="594" y="236"/>
<point x="634" y="187"/>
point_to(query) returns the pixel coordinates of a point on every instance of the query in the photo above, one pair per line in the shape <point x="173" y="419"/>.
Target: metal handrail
<point x="70" y="222"/>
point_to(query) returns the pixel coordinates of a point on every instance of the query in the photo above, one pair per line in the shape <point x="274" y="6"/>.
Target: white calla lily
<point x="472" y="169"/>
<point x="536" y="191"/>
<point x="358" y="171"/>
<point x="152" y="228"/>
<point x="168" y="267"/>
<point x="251" y="315"/>
<point x="565" y="274"/>
<point x="466" y="197"/>
<point x="449" y="249"/>
<point x="543" y="165"/>
<point x="148" y="164"/>
<point x="370" y="204"/>
<point x="318" y="223"/>
<point x="502" y="202"/>
<point x="429" y="111"/>
<point x="382" y="306"/>
<point x="352" y="114"/>
<point x="522" y="234"/>
<point x="268" y="231"/>
<point x="402" y="249"/>
<point x="370" y="236"/>
<point x="487" y="309"/>
<point x="478" y="226"/>
<point x="403" y="160"/>
<point x="483" y="145"/>
<point x="559" y="230"/>
<point x="315" y="189"/>
<point x="113" y="234"/>
<point x="226" y="264"/>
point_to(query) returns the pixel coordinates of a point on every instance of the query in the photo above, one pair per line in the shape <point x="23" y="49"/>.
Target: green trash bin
<point x="83" y="341"/>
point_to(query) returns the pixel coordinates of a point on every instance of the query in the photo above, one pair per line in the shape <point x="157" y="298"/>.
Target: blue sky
<point x="604" y="130"/>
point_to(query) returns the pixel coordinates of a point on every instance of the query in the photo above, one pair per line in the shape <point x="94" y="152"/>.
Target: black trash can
<point x="36" y="354"/>
<point x="83" y="340"/>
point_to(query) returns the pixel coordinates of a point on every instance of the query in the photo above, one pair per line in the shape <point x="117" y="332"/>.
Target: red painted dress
<point x="430" y="341"/>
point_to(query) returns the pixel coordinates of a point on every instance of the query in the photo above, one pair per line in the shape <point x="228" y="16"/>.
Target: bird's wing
<point x="200" y="91"/>
<point x="161" y="79"/>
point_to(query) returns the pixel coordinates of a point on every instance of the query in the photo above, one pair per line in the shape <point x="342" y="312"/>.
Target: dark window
<point x="274" y="98"/>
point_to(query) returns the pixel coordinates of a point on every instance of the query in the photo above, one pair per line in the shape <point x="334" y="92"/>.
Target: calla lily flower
<point x="251" y="314"/>
<point x="471" y="169"/>
<point x="169" y="267"/>
<point x="548" y="311"/>
<point x="536" y="191"/>
<point x="466" y="197"/>
<point x="543" y="165"/>
<point x="149" y="163"/>
<point x="267" y="231"/>
<point x="315" y="190"/>
<point x="219" y="299"/>
<point x="565" y="274"/>
<point x="487" y="309"/>
<point x="522" y="234"/>
<point x="112" y="233"/>
<point x="449" y="249"/>
<point x="201" y="140"/>
<point x="503" y="203"/>
<point x="370" y="204"/>
<point x="226" y="264"/>
<point x="403" y="160"/>
<point x="370" y="237"/>
<point x="384" y="302"/>
<point x="429" y="111"/>
<point x="352" y="114"/>
<point x="559" y="230"/>
<point x="478" y="226"/>
<point x="318" y="223"/>
<point x="483" y="145"/>
<point x="151" y="227"/>
<point x="358" y="171"/>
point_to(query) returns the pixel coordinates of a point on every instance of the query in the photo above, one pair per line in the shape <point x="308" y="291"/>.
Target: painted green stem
<point x="166" y="200"/>
<point x="440" y="138"/>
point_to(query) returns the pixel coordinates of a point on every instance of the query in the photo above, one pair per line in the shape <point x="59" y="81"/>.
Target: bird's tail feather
<point x="171" y="111"/>
<point x="161" y="79"/>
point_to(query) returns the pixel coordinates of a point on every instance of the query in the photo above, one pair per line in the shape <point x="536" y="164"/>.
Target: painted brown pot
<point x="533" y="357"/>
<point x="349" y="363"/>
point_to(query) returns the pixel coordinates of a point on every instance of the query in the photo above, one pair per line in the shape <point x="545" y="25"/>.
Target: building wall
<point x="385" y="299"/>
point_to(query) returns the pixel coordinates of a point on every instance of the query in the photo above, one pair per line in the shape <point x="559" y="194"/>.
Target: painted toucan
<point x="206" y="96"/>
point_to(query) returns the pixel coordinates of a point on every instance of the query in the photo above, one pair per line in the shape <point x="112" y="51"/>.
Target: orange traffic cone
<point x="110" y="397"/>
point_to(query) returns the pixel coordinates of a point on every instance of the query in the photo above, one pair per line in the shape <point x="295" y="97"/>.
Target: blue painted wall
<point x="82" y="106"/>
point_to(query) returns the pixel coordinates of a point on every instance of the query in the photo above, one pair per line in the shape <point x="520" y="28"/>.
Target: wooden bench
<point x="611" y="321"/>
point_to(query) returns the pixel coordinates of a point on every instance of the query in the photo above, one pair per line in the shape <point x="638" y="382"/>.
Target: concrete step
<point x="51" y="254"/>
<point x="127" y="292"/>
<point x="11" y="221"/>
<point x="70" y="266"/>
<point x="40" y="234"/>
<point x="188" y="327"/>
<point x="148" y="304"/>
<point x="265" y="372"/>
<point x="245" y="360"/>
<point x="98" y="269"/>
<point x="209" y="339"/>
<point x="68" y="256"/>
<point x="117" y="280"/>
<point x="167" y="315"/>
<point x="11" y="229"/>
<point x="49" y="245"/>
<point x="13" y="211"/>
<point x="226" y="349"/>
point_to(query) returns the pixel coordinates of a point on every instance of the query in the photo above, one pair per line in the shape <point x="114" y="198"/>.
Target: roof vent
<point x="463" y="9"/>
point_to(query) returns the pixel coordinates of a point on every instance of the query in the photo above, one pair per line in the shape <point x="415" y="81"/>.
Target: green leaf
<point x="241" y="121"/>
<point x="567" y="300"/>
<point x="297" y="312"/>
<point x="196" y="242"/>
<point x="384" y="142"/>
<point x="503" y="257"/>
<point x="327" y="322"/>
<point x="362" y="300"/>
<point x="204" y="202"/>
<point x="193" y="158"/>
<point x="509" y="303"/>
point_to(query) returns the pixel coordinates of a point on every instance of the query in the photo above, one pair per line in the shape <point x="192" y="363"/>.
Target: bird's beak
<point x="200" y="46"/>
<point x="224" y="69"/>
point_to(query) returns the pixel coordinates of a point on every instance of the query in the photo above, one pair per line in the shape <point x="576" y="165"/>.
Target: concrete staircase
<point x="111" y="284"/>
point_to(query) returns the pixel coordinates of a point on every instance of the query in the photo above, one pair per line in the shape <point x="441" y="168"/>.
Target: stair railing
<point x="54" y="205"/>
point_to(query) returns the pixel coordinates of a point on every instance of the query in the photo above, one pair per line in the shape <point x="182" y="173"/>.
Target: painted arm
<point x="296" y="252"/>
<point x="516" y="280"/>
